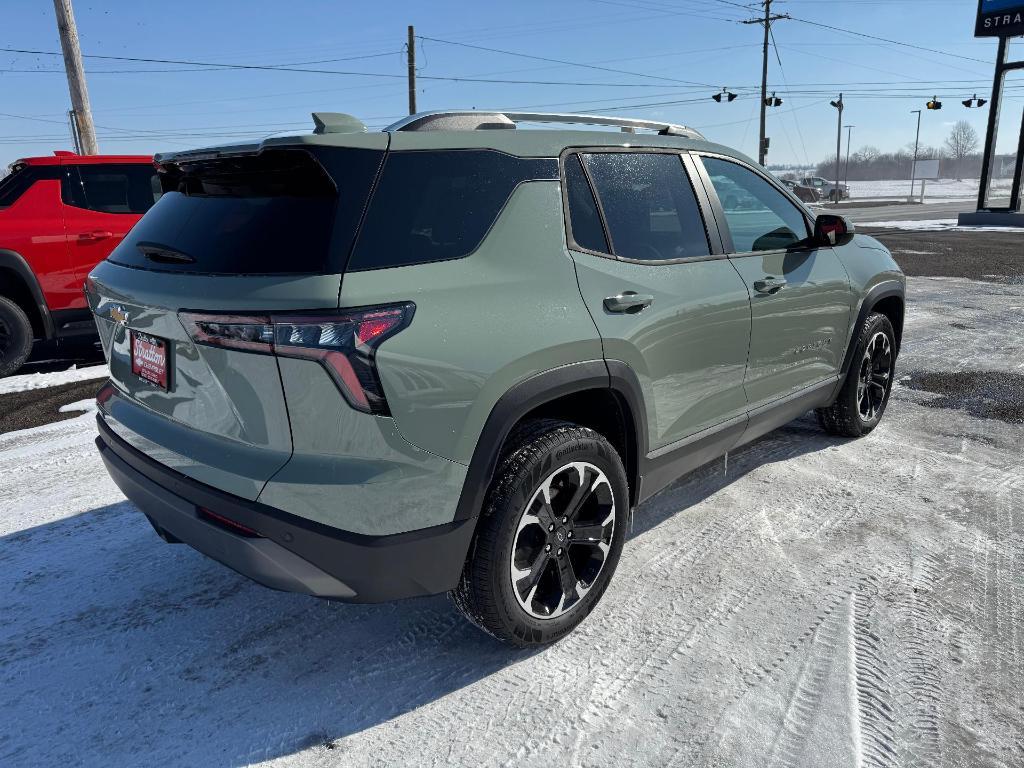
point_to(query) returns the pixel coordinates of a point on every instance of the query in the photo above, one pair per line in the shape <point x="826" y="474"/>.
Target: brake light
<point x="344" y="342"/>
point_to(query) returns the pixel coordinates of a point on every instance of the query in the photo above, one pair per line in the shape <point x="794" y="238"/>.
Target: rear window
<point x="439" y="205"/>
<point x="281" y="211"/>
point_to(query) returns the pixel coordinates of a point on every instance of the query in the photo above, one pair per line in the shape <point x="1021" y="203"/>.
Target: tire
<point x="15" y="337"/>
<point x="517" y="531"/>
<point x="865" y="392"/>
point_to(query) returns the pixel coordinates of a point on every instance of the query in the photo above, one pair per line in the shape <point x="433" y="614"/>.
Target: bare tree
<point x="867" y="154"/>
<point x="961" y="143"/>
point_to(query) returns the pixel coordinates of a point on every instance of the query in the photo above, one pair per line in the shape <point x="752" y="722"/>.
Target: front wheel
<point x="550" y="535"/>
<point x="15" y="337"/>
<point x="865" y="392"/>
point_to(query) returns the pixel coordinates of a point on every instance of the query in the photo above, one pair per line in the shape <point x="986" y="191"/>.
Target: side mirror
<point x="830" y="229"/>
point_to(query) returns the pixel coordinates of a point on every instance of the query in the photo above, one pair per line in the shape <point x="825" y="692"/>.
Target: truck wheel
<point x="549" y="537"/>
<point x="15" y="337"/>
<point x="865" y="392"/>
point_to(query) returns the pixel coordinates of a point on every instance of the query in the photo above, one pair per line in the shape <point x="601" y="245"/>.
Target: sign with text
<point x="1000" y="18"/>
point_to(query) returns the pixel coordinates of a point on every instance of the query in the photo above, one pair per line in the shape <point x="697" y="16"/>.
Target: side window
<point x="125" y="188"/>
<point x="435" y="206"/>
<point x="584" y="219"/>
<point x="649" y="206"/>
<point x="760" y="218"/>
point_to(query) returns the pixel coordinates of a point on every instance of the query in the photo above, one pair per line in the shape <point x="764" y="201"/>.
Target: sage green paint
<point x="354" y="471"/>
<point x="224" y="420"/>
<point x="689" y="348"/>
<point x="799" y="334"/>
<point x="483" y="323"/>
<point x="280" y="431"/>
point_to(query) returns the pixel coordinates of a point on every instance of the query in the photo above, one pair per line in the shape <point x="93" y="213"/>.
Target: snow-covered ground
<point x="936" y="191"/>
<point x="934" y="225"/>
<point x="820" y="603"/>
<point x="27" y="381"/>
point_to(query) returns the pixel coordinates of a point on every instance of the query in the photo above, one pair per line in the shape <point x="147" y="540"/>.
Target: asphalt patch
<point x="36" y="407"/>
<point x="994" y="257"/>
<point x="983" y="394"/>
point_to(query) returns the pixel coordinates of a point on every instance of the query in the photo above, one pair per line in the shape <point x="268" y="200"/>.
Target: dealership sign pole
<point x="1003" y="19"/>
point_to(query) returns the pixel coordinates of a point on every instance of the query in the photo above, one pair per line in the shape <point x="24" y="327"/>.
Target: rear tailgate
<point x="264" y="232"/>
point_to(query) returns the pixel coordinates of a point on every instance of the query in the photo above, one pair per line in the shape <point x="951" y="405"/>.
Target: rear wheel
<point x="865" y="392"/>
<point x="550" y="535"/>
<point x="15" y="337"/>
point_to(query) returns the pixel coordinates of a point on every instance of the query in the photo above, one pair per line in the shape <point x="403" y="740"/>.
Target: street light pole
<point x="849" y="134"/>
<point x="913" y="166"/>
<point x="838" y="104"/>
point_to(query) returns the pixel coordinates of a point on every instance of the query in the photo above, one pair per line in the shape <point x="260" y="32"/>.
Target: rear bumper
<point x="290" y="553"/>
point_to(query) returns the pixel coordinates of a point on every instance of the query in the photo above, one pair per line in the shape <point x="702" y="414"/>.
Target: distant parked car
<point x="825" y="187"/>
<point x="807" y="194"/>
<point x="59" y="217"/>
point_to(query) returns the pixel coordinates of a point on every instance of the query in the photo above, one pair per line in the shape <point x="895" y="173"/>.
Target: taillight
<point x="344" y="342"/>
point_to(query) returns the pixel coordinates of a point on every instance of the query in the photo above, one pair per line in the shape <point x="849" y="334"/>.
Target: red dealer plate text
<point x="149" y="359"/>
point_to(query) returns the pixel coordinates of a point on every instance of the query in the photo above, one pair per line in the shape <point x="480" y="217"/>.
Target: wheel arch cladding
<point x="893" y="306"/>
<point x="605" y="397"/>
<point x="888" y="298"/>
<point x="19" y="284"/>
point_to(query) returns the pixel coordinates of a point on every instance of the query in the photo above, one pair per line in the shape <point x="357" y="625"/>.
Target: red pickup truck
<point x="59" y="217"/>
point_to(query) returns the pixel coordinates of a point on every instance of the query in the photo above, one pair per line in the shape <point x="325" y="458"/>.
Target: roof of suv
<point x="483" y="129"/>
<point x="70" y="158"/>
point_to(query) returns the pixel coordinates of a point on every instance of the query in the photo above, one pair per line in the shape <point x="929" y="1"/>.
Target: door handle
<point x="96" y="234"/>
<point x="629" y="302"/>
<point x="769" y="285"/>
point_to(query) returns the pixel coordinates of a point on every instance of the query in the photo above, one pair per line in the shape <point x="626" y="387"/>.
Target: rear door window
<point x="649" y="205"/>
<point x="439" y="205"/>
<point x="759" y="216"/>
<point x="115" y="188"/>
<point x="277" y="212"/>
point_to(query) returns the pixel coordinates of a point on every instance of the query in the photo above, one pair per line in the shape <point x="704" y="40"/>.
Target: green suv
<point x="455" y="355"/>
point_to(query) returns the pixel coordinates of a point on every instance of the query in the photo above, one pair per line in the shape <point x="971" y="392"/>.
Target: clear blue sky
<point x="671" y="51"/>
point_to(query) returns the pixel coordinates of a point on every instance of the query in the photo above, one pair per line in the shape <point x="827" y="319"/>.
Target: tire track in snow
<point x="872" y="720"/>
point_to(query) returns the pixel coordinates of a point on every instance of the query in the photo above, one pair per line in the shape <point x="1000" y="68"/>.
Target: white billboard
<point x="926" y="169"/>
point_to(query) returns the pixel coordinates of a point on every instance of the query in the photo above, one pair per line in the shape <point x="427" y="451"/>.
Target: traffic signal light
<point x="773" y="101"/>
<point x="974" y="101"/>
<point x="729" y="96"/>
<point x="934" y="103"/>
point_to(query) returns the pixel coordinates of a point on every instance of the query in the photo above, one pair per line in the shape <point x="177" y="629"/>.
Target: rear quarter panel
<point x="508" y="311"/>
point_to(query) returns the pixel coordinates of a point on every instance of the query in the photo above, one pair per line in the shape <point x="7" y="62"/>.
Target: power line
<point x="562" y="61"/>
<point x="284" y="68"/>
<point x="887" y="40"/>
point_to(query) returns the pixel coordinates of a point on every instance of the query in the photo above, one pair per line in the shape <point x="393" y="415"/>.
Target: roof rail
<point x="470" y="120"/>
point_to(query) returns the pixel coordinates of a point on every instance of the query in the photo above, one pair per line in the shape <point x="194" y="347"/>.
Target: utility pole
<point x="762" y="148"/>
<point x="410" y="50"/>
<point x="849" y="134"/>
<point x="76" y="76"/>
<point x="913" y="165"/>
<point x="838" y="104"/>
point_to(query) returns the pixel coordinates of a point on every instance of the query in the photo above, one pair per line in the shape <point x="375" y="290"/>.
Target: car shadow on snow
<point x="122" y="649"/>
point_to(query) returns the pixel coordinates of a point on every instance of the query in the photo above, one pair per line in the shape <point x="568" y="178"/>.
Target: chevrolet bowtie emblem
<point x="119" y="315"/>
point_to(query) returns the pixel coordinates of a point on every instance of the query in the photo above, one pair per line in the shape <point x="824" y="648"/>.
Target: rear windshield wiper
<point x="162" y="254"/>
